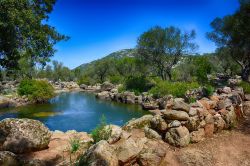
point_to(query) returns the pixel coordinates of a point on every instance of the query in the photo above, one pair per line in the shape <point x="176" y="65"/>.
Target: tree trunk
<point x="245" y="73"/>
<point x="169" y="76"/>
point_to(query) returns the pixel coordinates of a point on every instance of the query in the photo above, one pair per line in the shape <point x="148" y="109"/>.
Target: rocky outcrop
<point x="23" y="135"/>
<point x="6" y="102"/>
<point x="139" y="123"/>
<point x="133" y="150"/>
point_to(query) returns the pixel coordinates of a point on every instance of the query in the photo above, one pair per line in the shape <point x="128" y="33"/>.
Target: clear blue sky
<point x="100" y="27"/>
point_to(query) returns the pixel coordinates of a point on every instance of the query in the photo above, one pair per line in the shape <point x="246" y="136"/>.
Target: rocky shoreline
<point x="142" y="141"/>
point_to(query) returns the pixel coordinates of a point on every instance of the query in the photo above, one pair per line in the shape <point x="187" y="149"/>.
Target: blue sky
<point x="99" y="27"/>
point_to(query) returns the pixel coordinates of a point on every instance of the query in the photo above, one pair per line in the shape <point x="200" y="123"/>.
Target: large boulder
<point x="178" y="136"/>
<point x="6" y="102"/>
<point x="23" y="135"/>
<point x="179" y="104"/>
<point x="105" y="95"/>
<point x="8" y="159"/>
<point x="100" y="154"/>
<point x="128" y="97"/>
<point x="175" y="115"/>
<point x="139" y="123"/>
<point x="107" y="86"/>
<point x="116" y="133"/>
<point x="150" y="105"/>
<point x="83" y="86"/>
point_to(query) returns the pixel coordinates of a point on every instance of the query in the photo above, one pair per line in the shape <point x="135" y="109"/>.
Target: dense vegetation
<point x="36" y="90"/>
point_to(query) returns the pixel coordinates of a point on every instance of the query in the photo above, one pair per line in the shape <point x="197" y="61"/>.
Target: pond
<point x="75" y="111"/>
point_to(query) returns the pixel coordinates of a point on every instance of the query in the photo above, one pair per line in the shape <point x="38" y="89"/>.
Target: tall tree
<point x="233" y="33"/>
<point x="163" y="47"/>
<point x="24" y="32"/>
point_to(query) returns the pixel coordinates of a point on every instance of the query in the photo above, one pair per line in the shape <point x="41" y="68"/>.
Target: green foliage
<point x="177" y="89"/>
<point x="101" y="132"/>
<point x="37" y="90"/>
<point x="24" y="32"/>
<point x="232" y="33"/>
<point x="209" y="90"/>
<point x="138" y="84"/>
<point x="121" y="89"/>
<point x="203" y="68"/>
<point x="74" y="145"/>
<point x="245" y="86"/>
<point x="116" y="79"/>
<point x="162" y="48"/>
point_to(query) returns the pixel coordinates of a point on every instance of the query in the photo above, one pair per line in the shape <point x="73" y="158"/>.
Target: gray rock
<point x="151" y="134"/>
<point x="150" y="105"/>
<point x="158" y="123"/>
<point x="107" y="86"/>
<point x="100" y="154"/>
<point x="193" y="123"/>
<point x="178" y="136"/>
<point x="174" y="123"/>
<point x="179" y="104"/>
<point x="23" y="135"/>
<point x="139" y="123"/>
<point x="175" y="115"/>
<point x="105" y="95"/>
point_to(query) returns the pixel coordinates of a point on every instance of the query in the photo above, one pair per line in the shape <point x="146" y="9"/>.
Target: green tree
<point x="102" y="68"/>
<point x="24" y="32"/>
<point x="233" y="32"/>
<point x="162" y="48"/>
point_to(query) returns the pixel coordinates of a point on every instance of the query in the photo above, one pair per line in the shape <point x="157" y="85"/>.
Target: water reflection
<point x="77" y="110"/>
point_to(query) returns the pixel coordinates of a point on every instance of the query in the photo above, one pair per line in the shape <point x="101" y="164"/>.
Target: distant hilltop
<point x="115" y="55"/>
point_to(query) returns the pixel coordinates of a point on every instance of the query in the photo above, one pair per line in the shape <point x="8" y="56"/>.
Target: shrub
<point x="138" y="84"/>
<point x="86" y="80"/>
<point x="116" y="79"/>
<point x="101" y="132"/>
<point x="36" y="90"/>
<point x="177" y="89"/>
<point x="245" y="86"/>
<point x="209" y="90"/>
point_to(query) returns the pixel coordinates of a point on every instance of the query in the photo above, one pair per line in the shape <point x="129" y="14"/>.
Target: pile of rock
<point x="125" y="148"/>
<point x="7" y="87"/>
<point x="65" y="86"/>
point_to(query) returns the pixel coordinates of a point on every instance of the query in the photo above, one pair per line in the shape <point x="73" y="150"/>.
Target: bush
<point x="177" y="89"/>
<point x="101" y="132"/>
<point x="36" y="90"/>
<point x="86" y="80"/>
<point x="245" y="86"/>
<point x="209" y="90"/>
<point x="138" y="84"/>
<point x="116" y="79"/>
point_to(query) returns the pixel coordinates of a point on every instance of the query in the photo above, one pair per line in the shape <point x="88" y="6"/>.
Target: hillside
<point x="116" y="55"/>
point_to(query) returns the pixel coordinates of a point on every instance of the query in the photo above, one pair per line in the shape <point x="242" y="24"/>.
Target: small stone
<point x="174" y="123"/>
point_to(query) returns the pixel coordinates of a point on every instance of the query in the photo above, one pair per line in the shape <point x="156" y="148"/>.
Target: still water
<point x="75" y="111"/>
